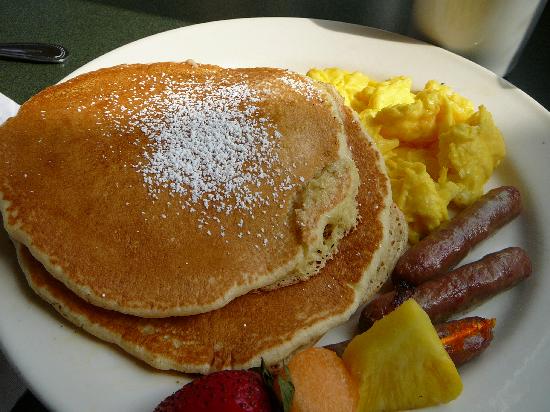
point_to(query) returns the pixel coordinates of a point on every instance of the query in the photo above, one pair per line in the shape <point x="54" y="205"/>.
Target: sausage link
<point x="466" y="338"/>
<point x="444" y="248"/>
<point x="457" y="290"/>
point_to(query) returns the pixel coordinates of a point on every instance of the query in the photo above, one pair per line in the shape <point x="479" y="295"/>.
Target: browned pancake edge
<point x="269" y="325"/>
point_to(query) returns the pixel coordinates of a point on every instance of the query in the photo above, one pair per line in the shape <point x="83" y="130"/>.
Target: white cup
<point x="489" y="32"/>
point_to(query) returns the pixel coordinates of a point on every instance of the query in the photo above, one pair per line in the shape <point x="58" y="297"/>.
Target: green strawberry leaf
<point x="267" y="376"/>
<point x="287" y="389"/>
<point x="269" y="381"/>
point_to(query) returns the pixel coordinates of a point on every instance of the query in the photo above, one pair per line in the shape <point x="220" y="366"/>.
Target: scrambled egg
<point x="439" y="151"/>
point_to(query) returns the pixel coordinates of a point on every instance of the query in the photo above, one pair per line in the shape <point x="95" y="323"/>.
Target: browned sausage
<point x="463" y="339"/>
<point x="457" y="290"/>
<point x="444" y="248"/>
<point x="466" y="338"/>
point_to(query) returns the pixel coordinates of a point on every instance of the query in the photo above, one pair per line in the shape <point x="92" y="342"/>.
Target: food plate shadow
<point x="8" y="257"/>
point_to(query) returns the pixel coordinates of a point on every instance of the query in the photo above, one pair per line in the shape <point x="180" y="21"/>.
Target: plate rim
<point x="83" y="68"/>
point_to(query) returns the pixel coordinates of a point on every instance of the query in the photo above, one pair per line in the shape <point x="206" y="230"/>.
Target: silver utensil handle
<point x="36" y="52"/>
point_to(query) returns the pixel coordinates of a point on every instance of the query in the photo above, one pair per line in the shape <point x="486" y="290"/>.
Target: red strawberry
<point x="225" y="391"/>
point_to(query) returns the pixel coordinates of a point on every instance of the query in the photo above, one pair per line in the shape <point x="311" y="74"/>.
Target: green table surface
<point x="90" y="28"/>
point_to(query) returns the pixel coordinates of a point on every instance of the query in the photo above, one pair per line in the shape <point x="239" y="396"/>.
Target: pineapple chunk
<point x="400" y="363"/>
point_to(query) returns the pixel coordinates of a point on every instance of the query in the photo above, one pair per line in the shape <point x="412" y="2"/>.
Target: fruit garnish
<point x="281" y="388"/>
<point x="225" y="391"/>
<point x="286" y="389"/>
<point x="463" y="339"/>
<point x="321" y="382"/>
<point x="400" y="363"/>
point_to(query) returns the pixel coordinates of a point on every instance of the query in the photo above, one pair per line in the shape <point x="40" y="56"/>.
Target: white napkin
<point x="8" y="108"/>
<point x="11" y="386"/>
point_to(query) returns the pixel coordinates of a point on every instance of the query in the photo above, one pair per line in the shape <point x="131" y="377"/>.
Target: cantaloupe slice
<point x="321" y="382"/>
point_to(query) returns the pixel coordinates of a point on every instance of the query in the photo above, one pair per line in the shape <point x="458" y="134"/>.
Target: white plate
<point x="69" y="370"/>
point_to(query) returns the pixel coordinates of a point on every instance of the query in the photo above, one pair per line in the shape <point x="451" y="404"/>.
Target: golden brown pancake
<point x="170" y="189"/>
<point x="269" y="325"/>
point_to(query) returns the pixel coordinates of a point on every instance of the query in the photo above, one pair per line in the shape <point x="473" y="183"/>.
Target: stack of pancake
<point x="201" y="218"/>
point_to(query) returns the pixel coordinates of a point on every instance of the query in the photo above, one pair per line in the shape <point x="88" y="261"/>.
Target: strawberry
<point x="225" y="391"/>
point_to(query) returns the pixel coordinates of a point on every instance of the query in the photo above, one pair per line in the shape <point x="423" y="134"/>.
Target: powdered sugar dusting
<point x="304" y="86"/>
<point x="208" y="142"/>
